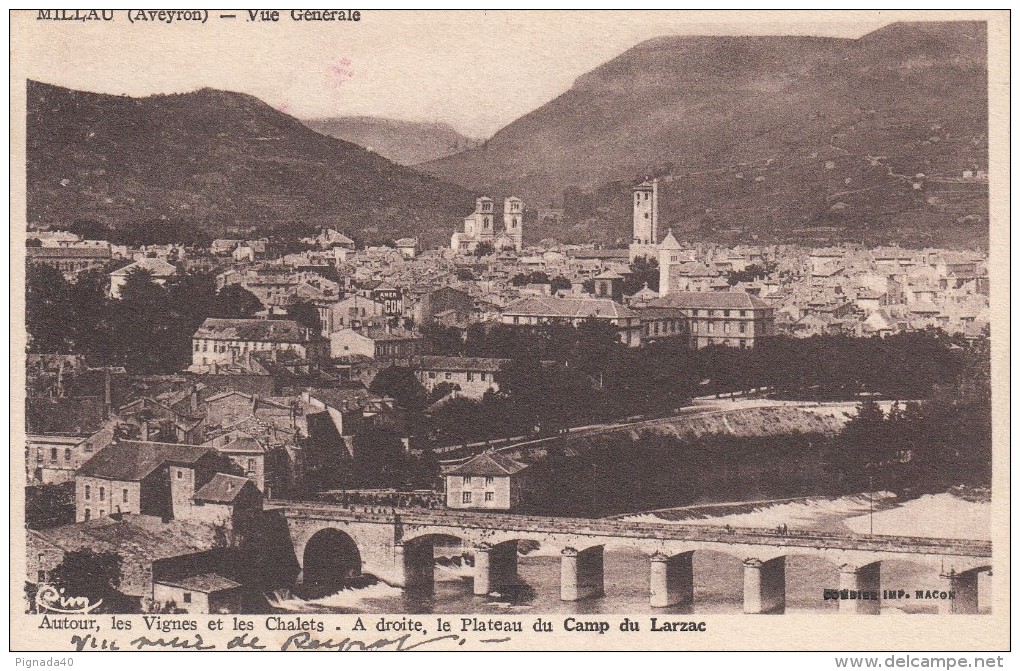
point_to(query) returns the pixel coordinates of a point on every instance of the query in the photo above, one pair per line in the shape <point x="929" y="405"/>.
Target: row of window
<point x="488" y="479"/>
<point x="669" y="326"/>
<point x="102" y="512"/>
<point x="465" y="497"/>
<point x="102" y="493"/>
<point x="727" y="327"/>
<point x="725" y="313"/>
<point x="484" y="377"/>
<point x="53" y="453"/>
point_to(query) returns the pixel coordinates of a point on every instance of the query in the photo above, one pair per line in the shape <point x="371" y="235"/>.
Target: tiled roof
<point x="222" y="488"/>
<point x="67" y="252"/>
<point x="258" y="330"/>
<point x="574" y="308"/>
<point x="710" y="300"/>
<point x="131" y="460"/>
<point x="488" y="463"/>
<point x="243" y="444"/>
<point x="206" y="583"/>
<point x="461" y="363"/>
<point x="158" y="267"/>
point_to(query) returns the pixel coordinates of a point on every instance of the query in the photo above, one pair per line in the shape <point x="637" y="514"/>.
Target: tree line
<point x="147" y="330"/>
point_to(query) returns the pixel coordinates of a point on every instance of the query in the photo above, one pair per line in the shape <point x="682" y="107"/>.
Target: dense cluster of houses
<point x="182" y="456"/>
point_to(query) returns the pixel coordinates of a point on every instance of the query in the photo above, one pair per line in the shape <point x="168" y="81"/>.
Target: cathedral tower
<point x="513" y="215"/>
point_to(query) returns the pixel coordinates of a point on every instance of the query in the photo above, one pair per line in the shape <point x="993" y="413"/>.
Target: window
<point x="88" y="514"/>
<point x="726" y="313"/>
<point x="196" y="345"/>
<point x="186" y="598"/>
<point x="38" y="456"/>
<point x="484" y="375"/>
<point x="465" y="497"/>
<point x="743" y="327"/>
<point x="102" y="512"/>
<point x="488" y="479"/>
<point x="88" y="492"/>
<point x="180" y="474"/>
<point x="102" y="493"/>
<point x="124" y="495"/>
<point x="489" y="496"/>
<point x="470" y="377"/>
<point x="432" y="375"/>
<point x="449" y="376"/>
<point x="467" y="479"/>
<point x="251" y="465"/>
<point x="53" y="454"/>
<point x="67" y="454"/>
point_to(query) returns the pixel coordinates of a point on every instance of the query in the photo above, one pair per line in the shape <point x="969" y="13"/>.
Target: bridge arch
<point x="330" y="558"/>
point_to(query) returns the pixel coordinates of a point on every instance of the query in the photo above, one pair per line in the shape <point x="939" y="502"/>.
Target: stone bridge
<point x="398" y="545"/>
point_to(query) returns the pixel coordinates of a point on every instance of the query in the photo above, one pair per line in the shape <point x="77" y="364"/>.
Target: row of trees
<point x="147" y="330"/>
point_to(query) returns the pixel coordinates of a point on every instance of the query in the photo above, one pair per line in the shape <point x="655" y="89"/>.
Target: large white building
<point x="221" y="342"/>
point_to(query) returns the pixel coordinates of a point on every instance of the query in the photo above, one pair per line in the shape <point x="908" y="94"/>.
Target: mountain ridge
<point x="404" y="142"/>
<point x="772" y="113"/>
<point x="208" y="163"/>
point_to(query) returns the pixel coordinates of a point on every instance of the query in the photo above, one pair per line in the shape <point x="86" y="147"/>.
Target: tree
<point x="560" y="283"/>
<point x="643" y="271"/>
<point x="47" y="308"/>
<point x="95" y="576"/>
<point x="402" y="385"/>
<point x="235" y="302"/>
<point x="305" y="314"/>
<point x="484" y="249"/>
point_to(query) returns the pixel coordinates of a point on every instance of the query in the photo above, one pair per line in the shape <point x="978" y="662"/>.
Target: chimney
<point x="193" y="398"/>
<point x="145" y="430"/>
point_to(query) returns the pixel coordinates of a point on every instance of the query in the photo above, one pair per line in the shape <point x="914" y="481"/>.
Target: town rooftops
<point x="652" y="313"/>
<point x="255" y="330"/>
<point x="206" y="583"/>
<point x="600" y="254"/>
<point x="243" y="445"/>
<point x="223" y="488"/>
<point x="132" y="461"/>
<point x="712" y="300"/>
<point x="462" y="363"/>
<point x="570" y="307"/>
<point x="488" y="463"/>
<point x="67" y="252"/>
<point x="608" y="275"/>
<point x="158" y="268"/>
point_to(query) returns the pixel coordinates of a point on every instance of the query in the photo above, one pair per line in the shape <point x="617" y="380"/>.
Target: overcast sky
<point x="475" y="70"/>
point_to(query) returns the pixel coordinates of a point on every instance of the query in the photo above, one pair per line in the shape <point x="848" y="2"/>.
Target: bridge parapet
<point x="504" y="522"/>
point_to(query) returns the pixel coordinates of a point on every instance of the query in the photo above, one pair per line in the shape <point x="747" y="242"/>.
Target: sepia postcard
<point x="342" y="329"/>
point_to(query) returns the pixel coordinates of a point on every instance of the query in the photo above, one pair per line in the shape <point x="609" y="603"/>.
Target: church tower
<point x="670" y="254"/>
<point x="484" y="215"/>
<point x="513" y="214"/>
<point x="646" y="213"/>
